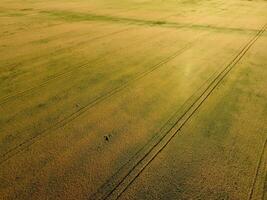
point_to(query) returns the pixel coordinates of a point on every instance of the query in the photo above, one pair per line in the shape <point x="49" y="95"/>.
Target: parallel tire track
<point x="126" y="175"/>
<point x="10" y="97"/>
<point x="18" y="94"/>
<point x="12" y="152"/>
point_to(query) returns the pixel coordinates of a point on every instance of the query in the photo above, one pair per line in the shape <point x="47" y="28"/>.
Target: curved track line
<point x="114" y="188"/>
<point x="86" y="107"/>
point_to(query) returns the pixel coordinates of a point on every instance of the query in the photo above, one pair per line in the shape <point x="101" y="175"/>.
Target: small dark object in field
<point x="107" y="137"/>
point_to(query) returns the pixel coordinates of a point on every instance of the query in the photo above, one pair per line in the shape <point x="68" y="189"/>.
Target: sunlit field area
<point x="133" y="99"/>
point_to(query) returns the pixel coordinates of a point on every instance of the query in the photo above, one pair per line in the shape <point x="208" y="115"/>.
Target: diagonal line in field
<point x="126" y="175"/>
<point x="259" y="164"/>
<point x="8" y="98"/>
<point x="19" y="148"/>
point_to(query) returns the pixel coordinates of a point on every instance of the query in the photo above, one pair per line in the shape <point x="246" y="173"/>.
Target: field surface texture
<point x="133" y="99"/>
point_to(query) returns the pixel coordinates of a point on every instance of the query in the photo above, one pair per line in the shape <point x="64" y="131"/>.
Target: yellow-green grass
<point x="73" y="73"/>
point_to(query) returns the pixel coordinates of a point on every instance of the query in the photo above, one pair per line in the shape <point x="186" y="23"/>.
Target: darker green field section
<point x="75" y="16"/>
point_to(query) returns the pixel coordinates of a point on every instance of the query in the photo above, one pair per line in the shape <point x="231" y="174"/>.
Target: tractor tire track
<point x="19" y="148"/>
<point x="135" y="43"/>
<point x="10" y="97"/>
<point x="66" y="73"/>
<point x="21" y="93"/>
<point x="125" y="176"/>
